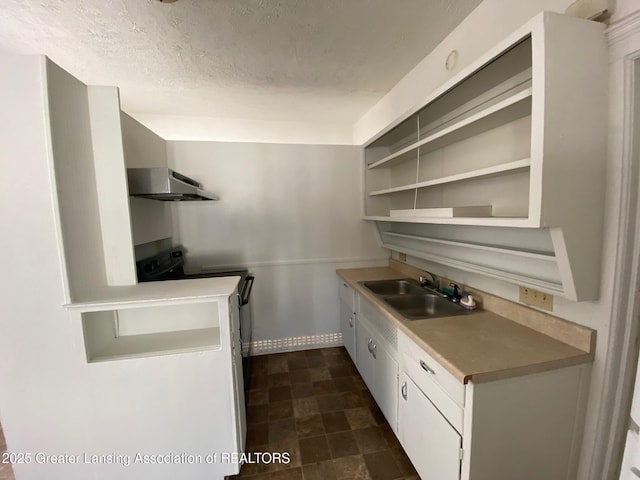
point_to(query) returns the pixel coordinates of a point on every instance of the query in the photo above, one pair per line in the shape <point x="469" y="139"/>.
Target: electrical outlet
<point x="536" y="299"/>
<point x="402" y="257"/>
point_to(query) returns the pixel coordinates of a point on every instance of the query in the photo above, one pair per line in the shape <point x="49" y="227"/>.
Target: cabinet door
<point x="365" y="360"/>
<point x="386" y="384"/>
<point x="430" y="442"/>
<point x="347" y="294"/>
<point x="379" y="371"/>
<point x="347" y="326"/>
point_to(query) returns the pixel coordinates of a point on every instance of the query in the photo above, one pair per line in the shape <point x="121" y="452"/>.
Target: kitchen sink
<point x="412" y="301"/>
<point x="426" y="305"/>
<point x="394" y="287"/>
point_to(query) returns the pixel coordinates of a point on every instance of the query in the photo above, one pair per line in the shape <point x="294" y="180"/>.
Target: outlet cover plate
<point x="536" y="298"/>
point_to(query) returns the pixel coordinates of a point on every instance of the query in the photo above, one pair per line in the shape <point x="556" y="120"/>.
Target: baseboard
<point x="307" y="342"/>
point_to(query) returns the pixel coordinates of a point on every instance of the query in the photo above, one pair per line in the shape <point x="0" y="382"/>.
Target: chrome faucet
<point x="433" y="283"/>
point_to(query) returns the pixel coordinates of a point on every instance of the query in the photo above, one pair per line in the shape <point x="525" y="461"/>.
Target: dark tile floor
<point x="314" y="405"/>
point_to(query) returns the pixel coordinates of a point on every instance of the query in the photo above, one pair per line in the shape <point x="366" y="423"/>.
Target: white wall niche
<point x="126" y="333"/>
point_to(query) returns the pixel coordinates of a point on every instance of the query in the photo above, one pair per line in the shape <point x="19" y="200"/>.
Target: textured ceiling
<point x="312" y="60"/>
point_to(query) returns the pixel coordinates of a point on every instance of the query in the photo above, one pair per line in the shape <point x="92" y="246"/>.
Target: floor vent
<point x="262" y="347"/>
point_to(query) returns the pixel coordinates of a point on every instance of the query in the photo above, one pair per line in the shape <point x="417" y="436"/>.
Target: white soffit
<point x="288" y="60"/>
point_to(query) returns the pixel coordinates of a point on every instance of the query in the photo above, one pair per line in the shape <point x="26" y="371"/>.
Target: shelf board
<point x="481" y="211"/>
<point x="156" y="344"/>
<point x="481" y="172"/>
<point x="522" y="222"/>
<point x="511" y="108"/>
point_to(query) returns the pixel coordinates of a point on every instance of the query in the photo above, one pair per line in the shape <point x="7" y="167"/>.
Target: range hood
<point x="164" y="184"/>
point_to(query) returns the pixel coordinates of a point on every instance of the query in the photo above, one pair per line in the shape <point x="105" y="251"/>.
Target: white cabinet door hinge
<point x="461" y="454"/>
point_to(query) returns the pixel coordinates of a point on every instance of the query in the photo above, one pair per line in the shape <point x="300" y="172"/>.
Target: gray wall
<point x="292" y="213"/>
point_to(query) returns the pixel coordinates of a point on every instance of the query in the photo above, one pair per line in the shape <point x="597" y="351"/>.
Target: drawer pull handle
<point x="426" y="368"/>
<point x="404" y="390"/>
<point x="351" y="322"/>
<point x="372" y="347"/>
<point x="635" y="471"/>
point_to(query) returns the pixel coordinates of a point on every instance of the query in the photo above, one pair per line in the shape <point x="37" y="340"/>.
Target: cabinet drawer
<point x="347" y="294"/>
<point x="386" y="330"/>
<point x="442" y="388"/>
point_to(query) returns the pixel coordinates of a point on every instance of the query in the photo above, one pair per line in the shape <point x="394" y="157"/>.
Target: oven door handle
<point x="246" y="289"/>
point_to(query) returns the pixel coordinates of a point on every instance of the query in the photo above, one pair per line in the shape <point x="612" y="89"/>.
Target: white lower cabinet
<point x="348" y="317"/>
<point x="525" y="428"/>
<point x="433" y="445"/>
<point x="379" y="369"/>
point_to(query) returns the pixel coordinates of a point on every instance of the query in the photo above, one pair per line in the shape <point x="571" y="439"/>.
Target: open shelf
<point x="154" y="344"/>
<point x="128" y="333"/>
<point x="481" y="221"/>
<point x="482" y="172"/>
<point x="506" y="102"/>
<point x="445" y="212"/>
<point x="512" y="108"/>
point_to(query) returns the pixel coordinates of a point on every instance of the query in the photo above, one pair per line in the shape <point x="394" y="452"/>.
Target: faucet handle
<point x="456" y="291"/>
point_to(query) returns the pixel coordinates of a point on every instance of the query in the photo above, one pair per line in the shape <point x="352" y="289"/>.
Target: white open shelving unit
<point x="516" y="139"/>
<point x="477" y="133"/>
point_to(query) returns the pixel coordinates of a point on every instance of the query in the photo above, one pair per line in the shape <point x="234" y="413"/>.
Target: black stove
<point x="161" y="266"/>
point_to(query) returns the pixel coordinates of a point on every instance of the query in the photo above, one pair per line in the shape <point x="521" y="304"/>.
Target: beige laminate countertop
<point x="481" y="346"/>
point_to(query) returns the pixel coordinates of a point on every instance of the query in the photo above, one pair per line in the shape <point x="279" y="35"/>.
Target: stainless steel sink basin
<point x="429" y="305"/>
<point x="412" y="301"/>
<point x="394" y="287"/>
